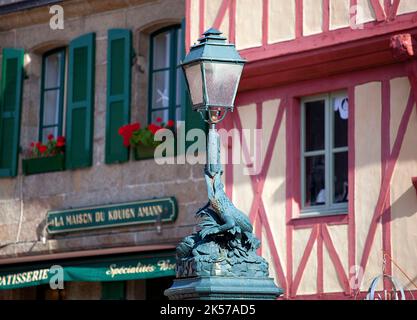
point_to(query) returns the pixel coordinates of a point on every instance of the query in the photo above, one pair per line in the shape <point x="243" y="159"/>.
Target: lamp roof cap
<point x="213" y="47"/>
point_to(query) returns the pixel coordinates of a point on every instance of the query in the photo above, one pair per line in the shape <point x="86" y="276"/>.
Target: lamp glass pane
<point x="222" y="80"/>
<point x="195" y="82"/>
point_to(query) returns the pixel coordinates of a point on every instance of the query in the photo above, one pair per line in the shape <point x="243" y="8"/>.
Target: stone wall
<point x="25" y="200"/>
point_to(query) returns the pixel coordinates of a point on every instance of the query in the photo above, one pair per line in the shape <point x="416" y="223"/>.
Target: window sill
<point x="319" y="215"/>
<point x="308" y="220"/>
<point x="308" y="214"/>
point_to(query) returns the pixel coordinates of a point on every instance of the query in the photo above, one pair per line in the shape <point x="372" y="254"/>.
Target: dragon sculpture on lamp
<point x="225" y="244"/>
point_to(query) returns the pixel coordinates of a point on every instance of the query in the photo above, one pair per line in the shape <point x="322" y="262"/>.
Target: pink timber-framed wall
<point x="290" y="96"/>
<point x="386" y="20"/>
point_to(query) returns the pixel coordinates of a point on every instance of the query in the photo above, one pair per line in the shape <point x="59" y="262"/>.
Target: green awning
<point x="119" y="268"/>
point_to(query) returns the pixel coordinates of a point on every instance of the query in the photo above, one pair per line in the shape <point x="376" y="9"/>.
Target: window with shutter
<point x="168" y="96"/>
<point x="119" y="57"/>
<point x="80" y="102"/>
<point x="10" y="110"/>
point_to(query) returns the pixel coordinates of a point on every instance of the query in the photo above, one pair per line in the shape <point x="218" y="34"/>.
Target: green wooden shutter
<point x="80" y="106"/>
<point x="10" y="110"/>
<point x="119" y="57"/>
<point x="192" y="118"/>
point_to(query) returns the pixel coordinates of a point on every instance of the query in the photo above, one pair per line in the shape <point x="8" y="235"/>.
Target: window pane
<point x="221" y="81"/>
<point x="160" y="88"/>
<point x="341" y="115"/>
<point x="314" y="125"/>
<point x="315" y="181"/>
<point x="47" y="131"/>
<point x="53" y="70"/>
<point x="340" y="177"/>
<point x="161" y="52"/>
<point x="51" y="107"/>
<point x="163" y="114"/>
<point x="180" y="46"/>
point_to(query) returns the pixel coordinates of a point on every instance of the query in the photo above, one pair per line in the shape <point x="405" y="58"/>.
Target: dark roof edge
<point x="25" y="5"/>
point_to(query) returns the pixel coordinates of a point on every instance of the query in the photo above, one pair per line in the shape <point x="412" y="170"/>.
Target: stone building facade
<point x="26" y="199"/>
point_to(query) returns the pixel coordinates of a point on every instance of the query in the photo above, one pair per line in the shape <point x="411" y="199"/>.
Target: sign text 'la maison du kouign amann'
<point x="117" y="215"/>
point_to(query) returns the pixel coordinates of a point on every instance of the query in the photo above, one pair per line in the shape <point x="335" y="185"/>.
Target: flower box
<point x="142" y="140"/>
<point x="44" y="164"/>
<point x="142" y="152"/>
<point x="414" y="182"/>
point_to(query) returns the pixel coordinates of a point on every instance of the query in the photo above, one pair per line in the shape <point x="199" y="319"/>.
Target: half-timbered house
<point x="333" y="86"/>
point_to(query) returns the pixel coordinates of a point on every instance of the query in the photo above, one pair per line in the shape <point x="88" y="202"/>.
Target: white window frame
<point x="330" y="208"/>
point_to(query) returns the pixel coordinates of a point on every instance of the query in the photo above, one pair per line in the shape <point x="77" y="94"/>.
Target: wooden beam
<point x="379" y="11"/>
<point x="304" y="260"/>
<point x="386" y="181"/>
<point x="319" y="63"/>
<point x="221" y="14"/>
<point x="394" y="9"/>
<point x="335" y="259"/>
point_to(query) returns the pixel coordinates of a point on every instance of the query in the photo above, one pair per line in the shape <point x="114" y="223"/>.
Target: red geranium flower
<point x="127" y="135"/>
<point x="135" y="127"/>
<point x="170" y="123"/>
<point x="122" y="130"/>
<point x="49" y="149"/>
<point x="126" y="142"/>
<point x="42" y="149"/>
<point x="127" y="131"/>
<point x="60" y="142"/>
<point x="153" y="128"/>
<point x="159" y="119"/>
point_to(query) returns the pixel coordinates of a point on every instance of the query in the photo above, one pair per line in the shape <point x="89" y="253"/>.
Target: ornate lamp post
<point x="219" y="261"/>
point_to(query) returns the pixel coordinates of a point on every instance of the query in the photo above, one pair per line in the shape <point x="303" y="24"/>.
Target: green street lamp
<point x="219" y="261"/>
<point x="213" y="69"/>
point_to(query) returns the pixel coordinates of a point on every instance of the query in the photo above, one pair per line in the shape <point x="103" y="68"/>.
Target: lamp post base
<point x="223" y="288"/>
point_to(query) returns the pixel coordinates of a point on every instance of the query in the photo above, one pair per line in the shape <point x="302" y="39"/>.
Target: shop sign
<point x="118" y="215"/>
<point x="116" y="269"/>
